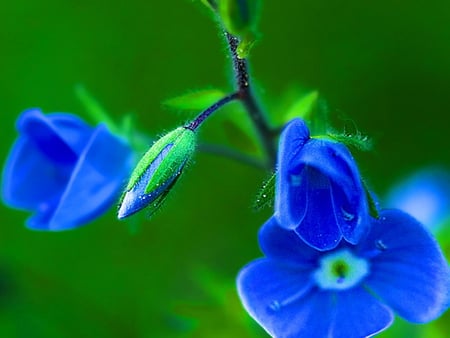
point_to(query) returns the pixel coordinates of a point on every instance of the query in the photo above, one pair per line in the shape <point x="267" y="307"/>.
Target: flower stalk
<point x="242" y="78"/>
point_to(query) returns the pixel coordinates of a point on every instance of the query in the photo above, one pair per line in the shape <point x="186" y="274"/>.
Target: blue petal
<point x="408" y="270"/>
<point x="61" y="137"/>
<point x="319" y="227"/>
<point x="282" y="244"/>
<point x="334" y="161"/>
<point x="281" y="299"/>
<point x="95" y="182"/>
<point x="30" y="180"/>
<point x="292" y="140"/>
<point x="358" y="314"/>
<point x="351" y="214"/>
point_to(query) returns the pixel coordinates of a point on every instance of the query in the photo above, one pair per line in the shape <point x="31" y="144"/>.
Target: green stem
<point x="206" y="113"/>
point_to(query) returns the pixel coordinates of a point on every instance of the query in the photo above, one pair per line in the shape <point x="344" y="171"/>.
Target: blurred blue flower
<point x="319" y="192"/>
<point x="424" y="195"/>
<point x="351" y="291"/>
<point x="64" y="171"/>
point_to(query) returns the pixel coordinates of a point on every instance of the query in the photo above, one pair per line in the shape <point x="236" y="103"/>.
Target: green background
<point x="383" y="66"/>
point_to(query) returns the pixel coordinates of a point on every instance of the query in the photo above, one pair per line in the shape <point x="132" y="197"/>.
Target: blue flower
<point x="424" y="195"/>
<point x="319" y="192"/>
<point x="351" y="291"/>
<point x="64" y="171"/>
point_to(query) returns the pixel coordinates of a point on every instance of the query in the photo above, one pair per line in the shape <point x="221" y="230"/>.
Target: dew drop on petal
<point x="347" y="215"/>
<point x="380" y="245"/>
<point x="296" y="180"/>
<point x="275" y="306"/>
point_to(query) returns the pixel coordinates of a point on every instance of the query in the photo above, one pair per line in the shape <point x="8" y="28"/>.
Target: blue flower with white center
<point x="65" y="172"/>
<point x="351" y="291"/>
<point x="319" y="193"/>
<point x="425" y="195"/>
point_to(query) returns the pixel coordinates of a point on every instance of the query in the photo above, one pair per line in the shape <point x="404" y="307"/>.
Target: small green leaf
<point x="195" y="100"/>
<point x="239" y="16"/>
<point x="373" y="208"/>
<point x="303" y="107"/>
<point x="94" y="109"/>
<point x="245" y="45"/>
<point x="357" y="141"/>
<point x="266" y="196"/>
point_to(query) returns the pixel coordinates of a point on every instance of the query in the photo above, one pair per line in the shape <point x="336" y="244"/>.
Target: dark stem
<point x="266" y="134"/>
<point x="203" y="115"/>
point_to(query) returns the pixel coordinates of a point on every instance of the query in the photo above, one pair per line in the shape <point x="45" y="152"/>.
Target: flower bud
<point x="319" y="192"/>
<point x="239" y="17"/>
<point x="157" y="172"/>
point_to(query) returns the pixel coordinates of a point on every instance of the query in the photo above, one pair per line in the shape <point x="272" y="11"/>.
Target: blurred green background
<point x="384" y="65"/>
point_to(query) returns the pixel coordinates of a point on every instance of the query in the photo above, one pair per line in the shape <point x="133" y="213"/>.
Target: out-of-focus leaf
<point x="238" y="137"/>
<point x="211" y="4"/>
<point x="303" y="107"/>
<point x="94" y="109"/>
<point x="195" y="100"/>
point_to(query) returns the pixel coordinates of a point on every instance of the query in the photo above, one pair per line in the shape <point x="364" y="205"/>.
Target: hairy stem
<point x="265" y="132"/>
<point x="203" y="115"/>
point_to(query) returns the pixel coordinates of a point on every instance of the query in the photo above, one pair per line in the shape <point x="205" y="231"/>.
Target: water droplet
<point x="347" y="215"/>
<point x="275" y="306"/>
<point x="296" y="180"/>
<point x="380" y="245"/>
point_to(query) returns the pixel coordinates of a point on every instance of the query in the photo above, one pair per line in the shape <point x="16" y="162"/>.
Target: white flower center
<point x="340" y="270"/>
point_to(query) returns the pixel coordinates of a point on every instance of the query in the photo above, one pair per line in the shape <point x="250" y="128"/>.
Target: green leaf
<point x="195" y="100"/>
<point x="357" y="141"/>
<point x="94" y="109"/>
<point x="239" y="17"/>
<point x="373" y="208"/>
<point x="245" y="45"/>
<point x="266" y="195"/>
<point x="303" y="107"/>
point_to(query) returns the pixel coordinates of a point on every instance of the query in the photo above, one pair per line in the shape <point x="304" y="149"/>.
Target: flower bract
<point x="350" y="291"/>
<point x="319" y="192"/>
<point x="62" y="170"/>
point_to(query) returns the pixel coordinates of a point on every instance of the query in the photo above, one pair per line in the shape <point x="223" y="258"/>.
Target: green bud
<point x="239" y="16"/>
<point x="157" y="172"/>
